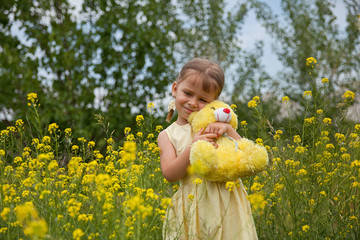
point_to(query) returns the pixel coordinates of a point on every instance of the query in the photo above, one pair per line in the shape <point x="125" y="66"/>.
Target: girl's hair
<point x="211" y="74"/>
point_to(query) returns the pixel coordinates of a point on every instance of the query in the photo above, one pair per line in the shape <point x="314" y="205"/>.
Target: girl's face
<point x="189" y="97"/>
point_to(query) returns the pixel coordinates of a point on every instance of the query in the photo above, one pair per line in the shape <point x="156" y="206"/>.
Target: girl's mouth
<point x="188" y="110"/>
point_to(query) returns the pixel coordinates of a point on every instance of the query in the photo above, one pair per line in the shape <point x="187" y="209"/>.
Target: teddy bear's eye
<point x="212" y="108"/>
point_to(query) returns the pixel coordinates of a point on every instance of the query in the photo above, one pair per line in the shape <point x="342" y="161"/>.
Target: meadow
<point x="55" y="186"/>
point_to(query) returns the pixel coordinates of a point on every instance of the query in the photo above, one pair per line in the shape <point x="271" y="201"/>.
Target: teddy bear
<point x="231" y="159"/>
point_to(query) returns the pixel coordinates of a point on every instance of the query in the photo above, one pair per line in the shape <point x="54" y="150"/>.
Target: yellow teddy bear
<point x="232" y="159"/>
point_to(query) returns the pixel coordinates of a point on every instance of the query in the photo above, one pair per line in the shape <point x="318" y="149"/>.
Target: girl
<point x="200" y="209"/>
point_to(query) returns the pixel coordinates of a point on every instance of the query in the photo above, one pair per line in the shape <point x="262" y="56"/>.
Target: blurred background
<point x="113" y="57"/>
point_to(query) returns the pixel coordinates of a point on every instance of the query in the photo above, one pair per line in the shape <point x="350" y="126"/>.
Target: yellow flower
<point x="310" y="61"/>
<point x="319" y="111"/>
<point x="67" y="132"/>
<point x="353" y="218"/>
<point x="307" y="94"/>
<point x="46" y="140"/>
<point x="244" y="123"/>
<point x="150" y="106"/>
<point x="75" y="148"/>
<point x="256" y="186"/>
<point x="190" y="197"/>
<point x="230" y="186"/>
<point x="127" y="130"/>
<point x="252" y="104"/>
<point x="91" y="144"/>
<point x="259" y="141"/>
<point x="327" y="121"/>
<point x="19" y="124"/>
<point x="139" y="120"/>
<point x="305" y="228"/>
<point x="348" y="96"/>
<point x="158" y="128"/>
<point x="197" y="181"/>
<point x="339" y="137"/>
<point x="36" y="229"/>
<point x="285" y="99"/>
<point x="5" y="213"/>
<point x="77" y="234"/>
<point x="324" y="80"/>
<point x="52" y="128"/>
<point x="301" y="172"/>
<point x="257" y="201"/>
<point x="357" y="127"/>
<point x="310" y="120"/>
<point x="297" y="139"/>
<point x="32" y="98"/>
<point x="323" y="193"/>
<point x="256" y="99"/>
<point x="233" y="106"/>
<point x="2" y="153"/>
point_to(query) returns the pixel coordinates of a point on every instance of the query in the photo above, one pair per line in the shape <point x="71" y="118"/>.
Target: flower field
<point x="54" y="186"/>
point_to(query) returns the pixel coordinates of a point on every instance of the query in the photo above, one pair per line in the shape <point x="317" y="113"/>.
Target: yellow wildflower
<point x="158" y="128"/>
<point x="252" y="104"/>
<point x="91" y="144"/>
<point x="319" y="111"/>
<point x="285" y="99"/>
<point x="310" y="61"/>
<point x="233" y="106"/>
<point x="36" y="229"/>
<point x="53" y="128"/>
<point x="77" y="234"/>
<point x="32" y="98"/>
<point x="348" y="96"/>
<point x="327" y="121"/>
<point x="305" y="228"/>
<point x="5" y="213"/>
<point x="324" y="80"/>
<point x="139" y="120"/>
<point x="150" y="106"/>
<point x="197" y="181"/>
<point x="19" y="124"/>
<point x="297" y="139"/>
<point x="127" y="130"/>
<point x="256" y="99"/>
<point x="310" y="120"/>
<point x="307" y="94"/>
<point x="190" y="197"/>
<point x="230" y="186"/>
<point x="243" y="123"/>
<point x="257" y="201"/>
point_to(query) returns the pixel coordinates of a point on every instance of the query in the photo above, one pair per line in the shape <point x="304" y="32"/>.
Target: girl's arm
<point x="174" y="167"/>
<point x="219" y="128"/>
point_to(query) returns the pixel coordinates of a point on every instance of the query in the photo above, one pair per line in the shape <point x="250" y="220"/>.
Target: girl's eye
<point x="203" y="100"/>
<point x="187" y="93"/>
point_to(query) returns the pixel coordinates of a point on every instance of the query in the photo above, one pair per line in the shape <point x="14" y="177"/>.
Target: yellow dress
<point x="207" y="210"/>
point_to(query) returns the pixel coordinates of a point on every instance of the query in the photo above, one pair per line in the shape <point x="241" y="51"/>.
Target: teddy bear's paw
<point x="256" y="159"/>
<point x="203" y="157"/>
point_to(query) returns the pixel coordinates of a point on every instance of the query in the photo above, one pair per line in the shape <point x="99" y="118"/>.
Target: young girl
<point x="200" y="209"/>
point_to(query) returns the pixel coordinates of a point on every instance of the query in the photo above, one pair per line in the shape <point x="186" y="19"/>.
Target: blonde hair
<point x="211" y="73"/>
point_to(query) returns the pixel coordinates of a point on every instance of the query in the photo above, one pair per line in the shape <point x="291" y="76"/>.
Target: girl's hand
<point x="218" y="128"/>
<point x="209" y="137"/>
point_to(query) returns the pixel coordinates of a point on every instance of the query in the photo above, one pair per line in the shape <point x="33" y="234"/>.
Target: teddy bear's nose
<point x="226" y="110"/>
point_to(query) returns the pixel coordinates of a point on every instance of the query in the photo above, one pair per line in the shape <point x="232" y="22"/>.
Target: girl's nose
<point x="193" y="102"/>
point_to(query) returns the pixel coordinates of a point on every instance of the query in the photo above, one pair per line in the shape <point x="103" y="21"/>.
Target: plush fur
<point x="230" y="160"/>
